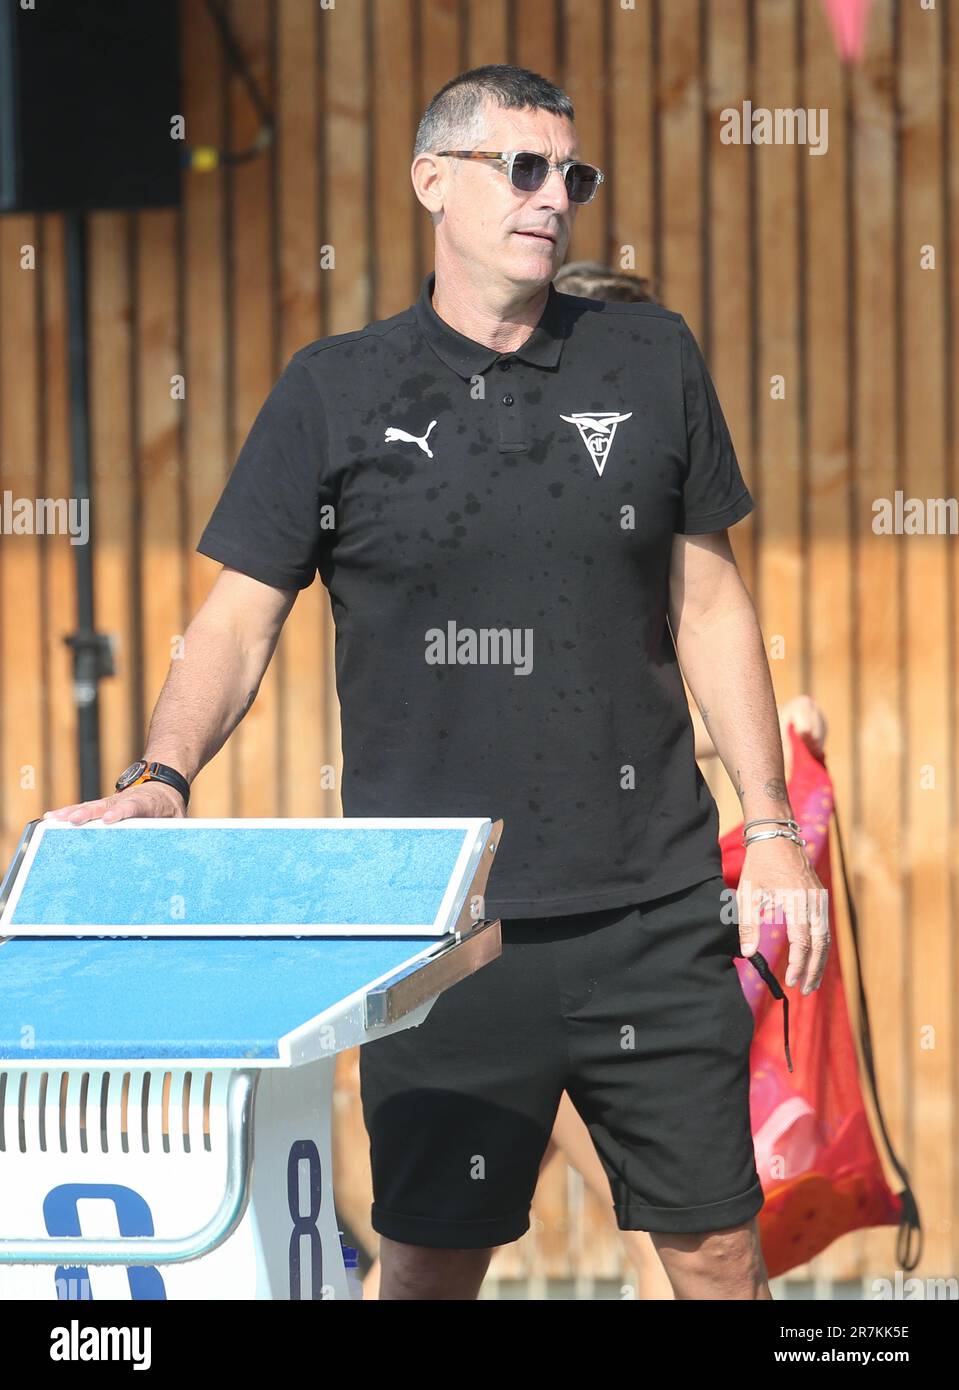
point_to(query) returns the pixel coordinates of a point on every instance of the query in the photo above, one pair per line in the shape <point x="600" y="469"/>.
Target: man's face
<point x="487" y="224"/>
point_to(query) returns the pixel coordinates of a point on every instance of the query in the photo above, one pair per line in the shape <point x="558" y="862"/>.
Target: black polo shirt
<point x="494" y="530"/>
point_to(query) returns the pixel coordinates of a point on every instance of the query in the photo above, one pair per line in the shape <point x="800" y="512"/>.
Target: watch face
<point x="130" y="774"/>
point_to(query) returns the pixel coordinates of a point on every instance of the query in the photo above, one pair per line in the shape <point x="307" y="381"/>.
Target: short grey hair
<point x="455" y="116"/>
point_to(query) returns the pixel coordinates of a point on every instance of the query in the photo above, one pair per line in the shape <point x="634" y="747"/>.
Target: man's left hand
<point x="776" y="874"/>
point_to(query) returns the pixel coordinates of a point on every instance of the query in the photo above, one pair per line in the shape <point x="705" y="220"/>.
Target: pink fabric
<point x="817" y="1160"/>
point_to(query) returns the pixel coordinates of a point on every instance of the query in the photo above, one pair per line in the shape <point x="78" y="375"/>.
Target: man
<point x="525" y="488"/>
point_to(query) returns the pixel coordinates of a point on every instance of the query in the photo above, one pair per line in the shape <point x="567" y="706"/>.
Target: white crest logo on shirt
<point x="597" y="431"/>
<point x="394" y="435"/>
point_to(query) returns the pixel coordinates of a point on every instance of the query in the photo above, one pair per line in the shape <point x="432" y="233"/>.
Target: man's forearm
<point x="703" y="746"/>
<point x="724" y="662"/>
<point x="205" y="695"/>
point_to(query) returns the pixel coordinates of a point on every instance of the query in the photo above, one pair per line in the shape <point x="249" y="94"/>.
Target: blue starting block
<point x="173" y="994"/>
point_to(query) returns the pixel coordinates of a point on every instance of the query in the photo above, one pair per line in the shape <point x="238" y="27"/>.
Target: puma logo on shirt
<point x="394" y="435"/>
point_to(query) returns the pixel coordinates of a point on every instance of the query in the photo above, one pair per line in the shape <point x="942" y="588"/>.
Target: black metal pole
<point x="92" y="653"/>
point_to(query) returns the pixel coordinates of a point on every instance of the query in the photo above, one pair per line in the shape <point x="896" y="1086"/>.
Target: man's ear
<point x="428" y="176"/>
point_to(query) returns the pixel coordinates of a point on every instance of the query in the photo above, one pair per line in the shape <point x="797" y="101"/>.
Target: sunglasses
<point x="527" y="171"/>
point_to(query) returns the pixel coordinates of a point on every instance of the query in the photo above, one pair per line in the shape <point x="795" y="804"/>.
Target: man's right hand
<point x="148" y="799"/>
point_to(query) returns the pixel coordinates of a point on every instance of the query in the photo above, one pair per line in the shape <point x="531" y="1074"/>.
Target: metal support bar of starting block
<point x="406" y="989"/>
<point x="152" y="1250"/>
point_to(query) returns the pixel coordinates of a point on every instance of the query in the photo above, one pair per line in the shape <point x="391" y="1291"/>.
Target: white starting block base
<point x="287" y="1243"/>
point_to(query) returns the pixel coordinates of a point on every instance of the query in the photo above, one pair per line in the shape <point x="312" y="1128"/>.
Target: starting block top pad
<point x="147" y="877"/>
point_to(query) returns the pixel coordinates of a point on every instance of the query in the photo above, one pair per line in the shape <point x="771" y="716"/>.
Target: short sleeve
<point x="714" y="491"/>
<point x="269" y="520"/>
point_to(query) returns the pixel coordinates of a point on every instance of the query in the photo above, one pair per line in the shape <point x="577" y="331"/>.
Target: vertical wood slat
<point x="779" y="576"/>
<point x="394" y="117"/>
<point x="630" y="190"/>
<point x="347" y="151"/>
<point x="487" y="32"/>
<point x="876" y="848"/>
<point x="439" y="38"/>
<point x="950" y="929"/>
<point x="536" y="41"/>
<point x="931" y="1035"/>
<point x="59" y="559"/>
<point x="21" y="618"/>
<point x="584" y="73"/>
<point x="679" y="102"/>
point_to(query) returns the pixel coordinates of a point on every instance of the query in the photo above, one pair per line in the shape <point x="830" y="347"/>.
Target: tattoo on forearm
<point x="775" y="788"/>
<point x="705" y="713"/>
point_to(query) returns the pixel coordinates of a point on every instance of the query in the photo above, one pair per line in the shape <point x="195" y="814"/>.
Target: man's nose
<point x="550" y="194"/>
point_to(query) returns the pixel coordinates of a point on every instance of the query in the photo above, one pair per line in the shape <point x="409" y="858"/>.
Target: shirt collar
<point x="542" y="348"/>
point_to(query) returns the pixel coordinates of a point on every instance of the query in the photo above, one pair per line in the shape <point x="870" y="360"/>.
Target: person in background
<point x="590" y="280"/>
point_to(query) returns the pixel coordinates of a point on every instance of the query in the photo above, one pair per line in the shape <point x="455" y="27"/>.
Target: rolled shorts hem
<point x="449" y="1235"/>
<point x="714" y="1216"/>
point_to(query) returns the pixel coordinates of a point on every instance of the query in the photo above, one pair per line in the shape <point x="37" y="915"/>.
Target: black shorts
<point x="638" y="1013"/>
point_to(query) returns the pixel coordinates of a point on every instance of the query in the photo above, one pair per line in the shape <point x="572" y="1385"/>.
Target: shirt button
<point x="504" y="366"/>
<point x="507" y="400"/>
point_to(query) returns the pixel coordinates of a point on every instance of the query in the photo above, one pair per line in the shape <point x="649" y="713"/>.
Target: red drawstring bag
<point x="815" y="1152"/>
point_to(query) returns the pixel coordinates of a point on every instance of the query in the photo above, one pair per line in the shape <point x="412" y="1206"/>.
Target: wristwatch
<point x="142" y="771"/>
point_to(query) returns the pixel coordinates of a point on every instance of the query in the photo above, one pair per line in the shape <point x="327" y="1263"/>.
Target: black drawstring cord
<point x="908" y="1249"/>
<point x="761" y="964"/>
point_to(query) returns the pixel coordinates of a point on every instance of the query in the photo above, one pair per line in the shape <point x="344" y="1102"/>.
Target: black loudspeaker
<point x="89" y="90"/>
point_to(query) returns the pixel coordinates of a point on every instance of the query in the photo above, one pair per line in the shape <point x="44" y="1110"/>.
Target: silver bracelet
<point x="772" y="835"/>
<point x="772" y="820"/>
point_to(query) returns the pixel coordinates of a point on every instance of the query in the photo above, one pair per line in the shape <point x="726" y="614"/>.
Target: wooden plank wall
<point x="785" y="264"/>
